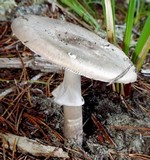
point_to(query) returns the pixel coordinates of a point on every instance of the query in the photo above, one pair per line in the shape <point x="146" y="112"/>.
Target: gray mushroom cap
<point x="74" y="48"/>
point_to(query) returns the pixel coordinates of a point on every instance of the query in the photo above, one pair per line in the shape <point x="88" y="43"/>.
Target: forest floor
<point x="115" y="127"/>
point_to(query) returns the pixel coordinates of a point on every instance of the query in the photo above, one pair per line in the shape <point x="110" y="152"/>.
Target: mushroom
<point x="81" y="53"/>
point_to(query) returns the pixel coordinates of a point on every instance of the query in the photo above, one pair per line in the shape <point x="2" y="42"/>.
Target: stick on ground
<point x="26" y="145"/>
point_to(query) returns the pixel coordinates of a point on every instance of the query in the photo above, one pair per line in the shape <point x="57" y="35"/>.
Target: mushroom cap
<point x="74" y="48"/>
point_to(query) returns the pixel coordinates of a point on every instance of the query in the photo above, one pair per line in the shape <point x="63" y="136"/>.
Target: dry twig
<point x="35" y="63"/>
<point x="33" y="147"/>
<point x="9" y="90"/>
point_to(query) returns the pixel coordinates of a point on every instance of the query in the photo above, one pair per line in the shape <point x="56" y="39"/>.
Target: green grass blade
<point x="82" y="12"/>
<point x="108" y="10"/>
<point x="139" y="8"/>
<point x="89" y="7"/>
<point x="129" y="25"/>
<point x="113" y="15"/>
<point x="142" y="46"/>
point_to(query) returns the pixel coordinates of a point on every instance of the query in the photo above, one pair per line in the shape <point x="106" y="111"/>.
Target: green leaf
<point x="142" y="46"/>
<point x="129" y="25"/>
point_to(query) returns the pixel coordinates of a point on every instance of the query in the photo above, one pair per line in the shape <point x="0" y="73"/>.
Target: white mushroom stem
<point x="68" y="94"/>
<point x="73" y="123"/>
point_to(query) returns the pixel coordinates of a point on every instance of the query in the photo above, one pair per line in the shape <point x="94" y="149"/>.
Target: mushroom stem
<point x="73" y="124"/>
<point x="68" y="94"/>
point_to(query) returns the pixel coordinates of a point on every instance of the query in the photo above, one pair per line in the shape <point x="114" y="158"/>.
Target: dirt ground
<point x="115" y="127"/>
